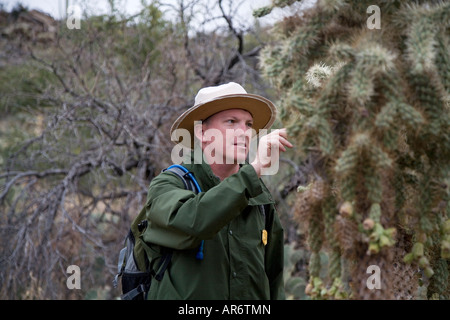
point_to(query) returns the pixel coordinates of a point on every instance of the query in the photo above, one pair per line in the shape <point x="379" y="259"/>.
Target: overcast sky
<point x="56" y="8"/>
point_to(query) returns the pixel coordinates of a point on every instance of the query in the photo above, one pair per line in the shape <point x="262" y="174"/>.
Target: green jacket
<point x="227" y="215"/>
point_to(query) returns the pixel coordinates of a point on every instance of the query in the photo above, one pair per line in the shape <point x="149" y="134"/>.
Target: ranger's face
<point x="227" y="135"/>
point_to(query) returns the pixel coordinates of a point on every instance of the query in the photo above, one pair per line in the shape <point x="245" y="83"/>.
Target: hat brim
<point x="262" y="110"/>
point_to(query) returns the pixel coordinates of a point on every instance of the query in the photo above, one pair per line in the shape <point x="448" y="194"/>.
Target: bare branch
<point x="26" y="174"/>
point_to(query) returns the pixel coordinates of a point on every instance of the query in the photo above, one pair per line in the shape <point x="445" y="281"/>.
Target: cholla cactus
<point x="373" y="106"/>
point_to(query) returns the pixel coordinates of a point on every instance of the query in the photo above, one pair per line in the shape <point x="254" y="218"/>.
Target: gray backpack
<point x="133" y="266"/>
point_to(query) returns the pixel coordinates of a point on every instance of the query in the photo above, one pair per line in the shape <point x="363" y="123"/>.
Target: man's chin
<point x="238" y="158"/>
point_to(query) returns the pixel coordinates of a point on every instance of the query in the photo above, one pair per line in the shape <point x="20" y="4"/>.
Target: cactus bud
<point x="374" y="237"/>
<point x="423" y="262"/>
<point x="379" y="229"/>
<point x="445" y="249"/>
<point x="317" y="282"/>
<point x="301" y="189"/>
<point x="332" y="291"/>
<point x="368" y="224"/>
<point x="346" y="209"/>
<point x="391" y="232"/>
<point x="408" y="258"/>
<point x="429" y="272"/>
<point x="385" y="241"/>
<point x="374" y="248"/>
<point x="417" y="249"/>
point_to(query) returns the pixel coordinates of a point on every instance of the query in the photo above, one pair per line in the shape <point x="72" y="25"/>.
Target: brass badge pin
<point x="264" y="237"/>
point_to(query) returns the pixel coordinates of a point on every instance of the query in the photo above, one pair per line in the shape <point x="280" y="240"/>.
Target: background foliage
<point x="84" y="128"/>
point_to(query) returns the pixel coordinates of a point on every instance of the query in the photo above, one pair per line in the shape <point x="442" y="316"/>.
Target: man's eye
<point x="249" y="124"/>
<point x="230" y="121"/>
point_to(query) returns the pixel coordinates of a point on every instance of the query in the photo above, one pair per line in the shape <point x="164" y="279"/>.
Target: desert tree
<point x="85" y="139"/>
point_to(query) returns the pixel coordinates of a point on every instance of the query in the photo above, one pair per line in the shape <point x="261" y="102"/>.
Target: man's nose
<point x="242" y="130"/>
<point x="243" y="126"/>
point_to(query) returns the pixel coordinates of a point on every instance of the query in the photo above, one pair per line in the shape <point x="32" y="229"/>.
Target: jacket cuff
<point x="251" y="180"/>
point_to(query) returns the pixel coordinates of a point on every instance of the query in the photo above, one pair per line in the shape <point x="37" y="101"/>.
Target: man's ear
<point x="198" y="130"/>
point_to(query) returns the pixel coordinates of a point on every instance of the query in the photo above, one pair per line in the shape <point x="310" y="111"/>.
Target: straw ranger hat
<point x="211" y="100"/>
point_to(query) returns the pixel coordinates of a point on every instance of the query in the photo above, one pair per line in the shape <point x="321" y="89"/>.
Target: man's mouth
<point x="241" y="145"/>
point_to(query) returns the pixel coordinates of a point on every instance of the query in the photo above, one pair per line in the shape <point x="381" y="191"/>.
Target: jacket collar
<point x="202" y="172"/>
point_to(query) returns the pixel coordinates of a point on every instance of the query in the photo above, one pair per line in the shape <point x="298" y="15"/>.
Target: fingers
<point x="268" y="152"/>
<point x="280" y="137"/>
<point x="282" y="132"/>
<point x="285" y="142"/>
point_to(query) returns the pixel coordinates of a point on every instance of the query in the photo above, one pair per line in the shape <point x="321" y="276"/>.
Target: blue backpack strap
<point x="190" y="183"/>
<point x="184" y="173"/>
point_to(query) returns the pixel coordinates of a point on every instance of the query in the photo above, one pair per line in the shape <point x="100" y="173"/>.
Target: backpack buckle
<point x="142" y="225"/>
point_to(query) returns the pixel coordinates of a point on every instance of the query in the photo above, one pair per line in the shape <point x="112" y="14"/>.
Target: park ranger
<point x="232" y="220"/>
